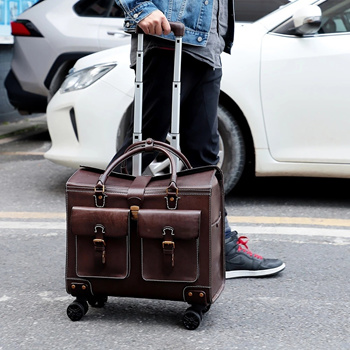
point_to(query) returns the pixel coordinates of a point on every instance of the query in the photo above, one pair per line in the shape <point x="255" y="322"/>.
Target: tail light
<point x="24" y="28"/>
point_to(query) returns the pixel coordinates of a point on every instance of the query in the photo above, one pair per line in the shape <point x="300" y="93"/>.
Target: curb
<point x="10" y="132"/>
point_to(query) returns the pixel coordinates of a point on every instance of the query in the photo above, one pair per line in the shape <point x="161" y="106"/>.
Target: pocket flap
<point x="184" y="223"/>
<point x="114" y="221"/>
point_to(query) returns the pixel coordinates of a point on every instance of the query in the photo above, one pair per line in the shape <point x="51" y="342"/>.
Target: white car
<point x="283" y="106"/>
<point x="51" y="35"/>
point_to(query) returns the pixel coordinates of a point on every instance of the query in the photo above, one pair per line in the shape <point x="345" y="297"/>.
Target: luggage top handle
<point x="177" y="28"/>
<point x="146" y="146"/>
<point x="170" y="148"/>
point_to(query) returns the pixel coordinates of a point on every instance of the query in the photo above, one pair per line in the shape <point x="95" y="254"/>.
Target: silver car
<point x="49" y="38"/>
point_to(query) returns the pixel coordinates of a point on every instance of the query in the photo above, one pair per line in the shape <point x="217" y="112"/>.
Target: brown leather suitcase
<point x="157" y="237"/>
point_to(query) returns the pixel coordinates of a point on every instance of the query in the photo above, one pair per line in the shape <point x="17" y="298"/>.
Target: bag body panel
<point x="199" y="190"/>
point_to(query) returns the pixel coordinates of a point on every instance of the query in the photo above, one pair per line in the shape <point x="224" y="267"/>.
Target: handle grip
<point x="177" y="28"/>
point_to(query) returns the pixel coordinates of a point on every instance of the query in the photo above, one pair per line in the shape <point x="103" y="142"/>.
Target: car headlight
<point x="83" y="78"/>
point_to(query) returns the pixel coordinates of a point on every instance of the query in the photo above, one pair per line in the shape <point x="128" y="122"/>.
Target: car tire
<point x="232" y="148"/>
<point x="232" y="151"/>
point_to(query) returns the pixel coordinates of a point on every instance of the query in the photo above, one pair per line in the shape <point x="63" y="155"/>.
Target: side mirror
<point x="307" y="20"/>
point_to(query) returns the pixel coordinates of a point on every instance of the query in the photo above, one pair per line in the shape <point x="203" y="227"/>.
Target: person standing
<point x="209" y="31"/>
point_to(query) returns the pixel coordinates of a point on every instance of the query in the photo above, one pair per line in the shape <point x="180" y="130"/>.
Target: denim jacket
<point x="196" y="16"/>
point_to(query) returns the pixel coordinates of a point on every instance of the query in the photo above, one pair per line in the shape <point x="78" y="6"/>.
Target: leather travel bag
<point x="157" y="237"/>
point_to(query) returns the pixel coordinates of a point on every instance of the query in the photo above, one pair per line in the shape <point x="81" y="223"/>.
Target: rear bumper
<point x="22" y="100"/>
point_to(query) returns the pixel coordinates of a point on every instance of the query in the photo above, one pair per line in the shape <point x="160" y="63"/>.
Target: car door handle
<point x="117" y="32"/>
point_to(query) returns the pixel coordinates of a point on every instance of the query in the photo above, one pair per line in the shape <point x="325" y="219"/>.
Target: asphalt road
<point x="304" y="222"/>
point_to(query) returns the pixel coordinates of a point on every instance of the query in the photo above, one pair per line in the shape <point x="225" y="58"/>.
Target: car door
<point x="103" y="20"/>
<point x="111" y="32"/>
<point x="305" y="86"/>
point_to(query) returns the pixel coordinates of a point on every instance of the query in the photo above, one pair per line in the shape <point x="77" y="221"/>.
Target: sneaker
<point x="241" y="262"/>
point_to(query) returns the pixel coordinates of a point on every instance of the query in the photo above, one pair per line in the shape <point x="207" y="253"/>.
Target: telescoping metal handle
<point x="179" y="30"/>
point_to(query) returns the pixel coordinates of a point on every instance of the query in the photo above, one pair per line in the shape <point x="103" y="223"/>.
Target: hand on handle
<point x="155" y="24"/>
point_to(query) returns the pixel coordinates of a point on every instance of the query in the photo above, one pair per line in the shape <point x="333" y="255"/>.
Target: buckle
<point x="134" y="211"/>
<point x="176" y="191"/>
<point x="168" y="253"/>
<point x="98" y="241"/>
<point x="168" y="243"/>
<point x="100" y="189"/>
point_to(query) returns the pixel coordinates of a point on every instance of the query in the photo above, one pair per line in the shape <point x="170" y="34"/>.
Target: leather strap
<point x="136" y="194"/>
<point x="168" y="246"/>
<point x="136" y="191"/>
<point x="100" y="245"/>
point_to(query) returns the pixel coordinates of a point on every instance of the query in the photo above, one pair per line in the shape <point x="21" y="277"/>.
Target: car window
<point x="335" y="18"/>
<point x="116" y="11"/>
<point x="98" y="8"/>
<point x="252" y="10"/>
<point x="245" y="10"/>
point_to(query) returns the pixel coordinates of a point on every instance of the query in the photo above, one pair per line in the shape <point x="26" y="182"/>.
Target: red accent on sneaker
<point x="243" y="240"/>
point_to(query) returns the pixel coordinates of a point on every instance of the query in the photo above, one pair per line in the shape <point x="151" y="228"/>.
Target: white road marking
<point x="299" y="226"/>
<point x="31" y="225"/>
<point x="293" y="231"/>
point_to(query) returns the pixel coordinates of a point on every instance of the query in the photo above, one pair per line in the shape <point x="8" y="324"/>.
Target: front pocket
<point x="169" y="244"/>
<point x="101" y="241"/>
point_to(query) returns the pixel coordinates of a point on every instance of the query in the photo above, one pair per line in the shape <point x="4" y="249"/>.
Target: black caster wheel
<point x="192" y="318"/>
<point x="98" y="301"/>
<point x="85" y="305"/>
<point x="77" y="309"/>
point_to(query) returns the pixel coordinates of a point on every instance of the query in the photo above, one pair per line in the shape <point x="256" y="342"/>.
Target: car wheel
<point x="232" y="148"/>
<point x="232" y="152"/>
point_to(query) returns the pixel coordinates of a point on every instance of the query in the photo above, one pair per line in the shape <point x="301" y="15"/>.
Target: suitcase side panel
<point x="217" y="239"/>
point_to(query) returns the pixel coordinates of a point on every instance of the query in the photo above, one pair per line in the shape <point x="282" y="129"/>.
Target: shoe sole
<point x="256" y="273"/>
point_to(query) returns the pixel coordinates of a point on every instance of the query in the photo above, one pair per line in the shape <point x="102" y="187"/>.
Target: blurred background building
<point x="9" y="10"/>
